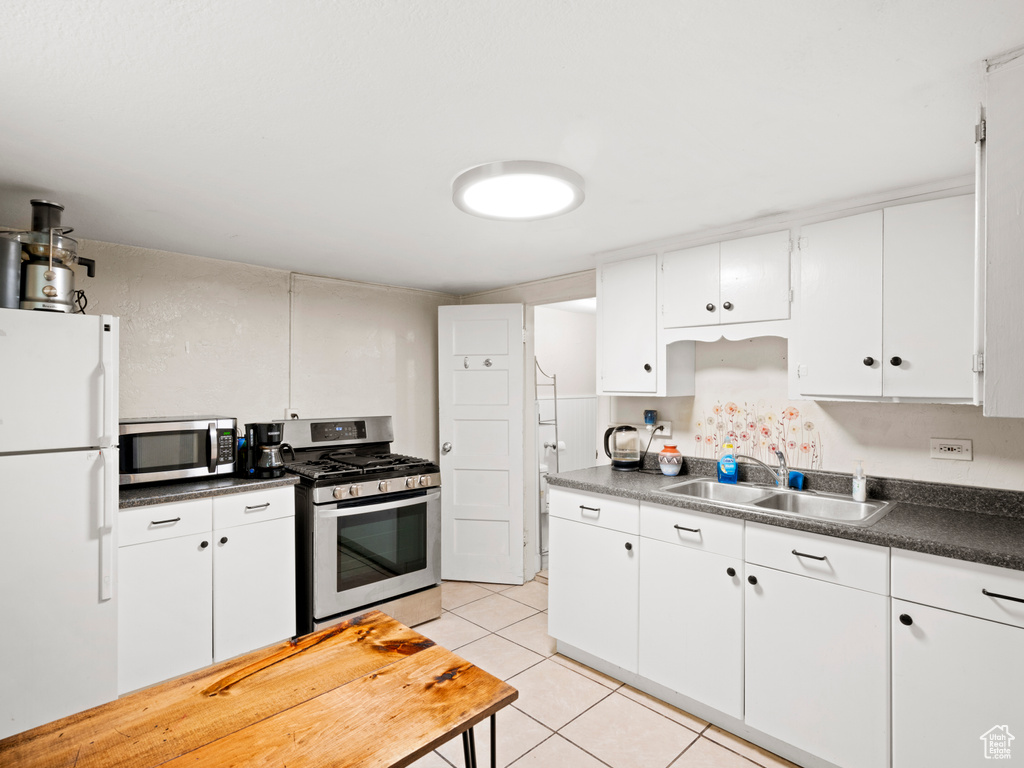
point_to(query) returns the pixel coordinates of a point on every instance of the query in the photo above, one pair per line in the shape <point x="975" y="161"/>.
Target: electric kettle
<point x="624" y="450"/>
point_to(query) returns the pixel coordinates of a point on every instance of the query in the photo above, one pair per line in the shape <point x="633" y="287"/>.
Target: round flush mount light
<point x="518" y="190"/>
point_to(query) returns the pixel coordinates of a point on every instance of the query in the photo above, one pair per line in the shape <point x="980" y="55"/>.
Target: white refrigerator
<point x="58" y="510"/>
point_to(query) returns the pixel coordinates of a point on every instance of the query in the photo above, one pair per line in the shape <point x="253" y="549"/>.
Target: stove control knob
<point x="410" y="482"/>
<point x="354" y="490"/>
<point x="339" y="492"/>
<point x="425" y="480"/>
<point x="384" y="486"/>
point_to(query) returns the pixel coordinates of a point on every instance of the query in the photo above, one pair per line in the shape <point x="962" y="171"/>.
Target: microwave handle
<point x="211" y="434"/>
<point x="347" y="511"/>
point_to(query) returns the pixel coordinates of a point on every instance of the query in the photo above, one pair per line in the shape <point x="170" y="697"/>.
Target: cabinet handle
<point x="595" y="510"/>
<point x="164" y="522"/>
<point x="683" y="528"/>
<point x="752" y="579"/>
<point x="727" y="305"/>
<point x="730" y="571"/>
<point x="1002" y="597"/>
<point x="223" y="539"/>
<point x="897" y="361"/>
<point x="813" y="557"/>
<point x="629" y="546"/>
<point x="258" y="507"/>
<point x="905" y="619"/>
<point x="869" y="361"/>
<point x="710" y="307"/>
<point x="204" y="545"/>
<point x="647" y="367"/>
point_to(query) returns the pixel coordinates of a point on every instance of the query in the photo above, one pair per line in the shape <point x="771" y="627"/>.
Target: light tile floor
<point x="567" y="715"/>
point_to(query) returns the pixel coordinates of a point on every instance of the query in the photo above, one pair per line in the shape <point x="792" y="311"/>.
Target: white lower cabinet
<point x="691" y="605"/>
<point x="203" y="580"/>
<point x="817" y="644"/>
<point x="593" y="575"/>
<point x="958" y="676"/>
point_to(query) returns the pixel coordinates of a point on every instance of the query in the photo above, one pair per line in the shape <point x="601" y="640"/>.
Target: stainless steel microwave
<point x="161" y="448"/>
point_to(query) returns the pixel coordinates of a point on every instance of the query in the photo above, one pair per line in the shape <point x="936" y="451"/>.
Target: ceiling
<point x="323" y="137"/>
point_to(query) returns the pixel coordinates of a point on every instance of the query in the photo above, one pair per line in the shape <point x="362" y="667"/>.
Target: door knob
<point x="727" y="305"/>
<point x="629" y="546"/>
<point x="710" y="307"/>
<point x="730" y="571"/>
<point x="647" y="367"/>
<point x="905" y="619"/>
<point x="446" y="448"/>
<point x="752" y="579"/>
<point x="869" y="361"/>
<point x="897" y="361"/>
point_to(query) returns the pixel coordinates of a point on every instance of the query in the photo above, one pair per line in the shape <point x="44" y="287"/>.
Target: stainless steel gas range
<point x="368" y="523"/>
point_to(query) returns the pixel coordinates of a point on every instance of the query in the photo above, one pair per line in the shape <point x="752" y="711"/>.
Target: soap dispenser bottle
<point x="860" y="483"/>
<point x="727" y="472"/>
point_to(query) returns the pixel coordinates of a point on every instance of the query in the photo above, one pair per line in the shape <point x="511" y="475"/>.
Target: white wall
<point x="891" y="438"/>
<point x="203" y="336"/>
<point x="565" y="345"/>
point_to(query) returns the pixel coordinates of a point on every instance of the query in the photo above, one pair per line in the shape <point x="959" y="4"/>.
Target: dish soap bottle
<point x="727" y="465"/>
<point x="860" y="483"/>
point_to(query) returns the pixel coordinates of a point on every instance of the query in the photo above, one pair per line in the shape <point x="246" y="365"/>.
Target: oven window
<point x="377" y="546"/>
<point x="164" y="452"/>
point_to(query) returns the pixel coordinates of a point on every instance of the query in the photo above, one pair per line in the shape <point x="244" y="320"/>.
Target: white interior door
<point x="480" y="388"/>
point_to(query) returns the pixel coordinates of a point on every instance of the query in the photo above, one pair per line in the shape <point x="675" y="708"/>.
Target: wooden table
<point x="369" y="692"/>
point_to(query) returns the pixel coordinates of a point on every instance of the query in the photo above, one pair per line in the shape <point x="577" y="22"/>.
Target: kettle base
<point x="626" y="466"/>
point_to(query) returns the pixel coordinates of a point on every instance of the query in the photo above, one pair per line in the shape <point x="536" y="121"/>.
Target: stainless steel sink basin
<point x="702" y="488"/>
<point x="820" y="506"/>
<point x="825" y="507"/>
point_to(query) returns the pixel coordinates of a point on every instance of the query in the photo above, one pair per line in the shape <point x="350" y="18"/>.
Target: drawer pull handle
<point x="813" y="557"/>
<point x="165" y="522"/>
<point x="684" y="528"/>
<point x="258" y="507"/>
<point x="1002" y="597"/>
<point x="596" y="510"/>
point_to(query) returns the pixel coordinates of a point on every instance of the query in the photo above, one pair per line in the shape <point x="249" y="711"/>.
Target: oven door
<point x="365" y="552"/>
<point x="157" y="452"/>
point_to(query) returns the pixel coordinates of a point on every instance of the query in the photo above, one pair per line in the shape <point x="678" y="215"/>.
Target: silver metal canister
<point x="10" y="273"/>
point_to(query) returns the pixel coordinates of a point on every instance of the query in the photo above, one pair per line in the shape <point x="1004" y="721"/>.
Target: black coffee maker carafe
<point x="263" y="450"/>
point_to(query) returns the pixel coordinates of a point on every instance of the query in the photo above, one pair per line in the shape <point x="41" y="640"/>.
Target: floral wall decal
<point x="759" y="430"/>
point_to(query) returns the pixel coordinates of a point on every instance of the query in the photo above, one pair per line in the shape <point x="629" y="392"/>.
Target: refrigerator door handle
<point x="107" y="343"/>
<point x="107" y="513"/>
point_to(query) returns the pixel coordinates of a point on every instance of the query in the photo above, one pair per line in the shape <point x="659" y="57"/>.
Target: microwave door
<point x="168" y="452"/>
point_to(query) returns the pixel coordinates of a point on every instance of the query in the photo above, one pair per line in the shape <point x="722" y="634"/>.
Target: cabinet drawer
<point x="164" y="521"/>
<point x="711" y="533"/>
<point x="253" y="506"/>
<point x="595" y="509"/>
<point x="850" y="563"/>
<point x="957" y="586"/>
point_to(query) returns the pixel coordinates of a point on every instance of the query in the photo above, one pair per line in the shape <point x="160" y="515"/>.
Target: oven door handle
<point x="347" y="511"/>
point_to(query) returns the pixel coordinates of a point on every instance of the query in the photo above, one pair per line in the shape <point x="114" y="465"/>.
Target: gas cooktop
<point x="338" y="465"/>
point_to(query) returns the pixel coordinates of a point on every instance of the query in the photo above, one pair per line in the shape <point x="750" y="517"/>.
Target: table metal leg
<point x="494" y="740"/>
<point x="469" y="748"/>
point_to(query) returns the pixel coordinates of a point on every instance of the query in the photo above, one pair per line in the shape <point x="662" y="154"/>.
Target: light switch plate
<point x="951" y="448"/>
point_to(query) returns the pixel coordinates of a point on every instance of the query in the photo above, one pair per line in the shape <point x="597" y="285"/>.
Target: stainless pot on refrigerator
<point x="10" y="273"/>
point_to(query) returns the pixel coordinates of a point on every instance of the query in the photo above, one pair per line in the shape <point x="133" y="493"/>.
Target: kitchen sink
<point x="825" y="507"/>
<point x="820" y="506"/>
<point x="702" y="488"/>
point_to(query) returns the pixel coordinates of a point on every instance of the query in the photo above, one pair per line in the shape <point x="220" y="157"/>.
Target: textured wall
<point x="891" y="438"/>
<point x="204" y="336"/>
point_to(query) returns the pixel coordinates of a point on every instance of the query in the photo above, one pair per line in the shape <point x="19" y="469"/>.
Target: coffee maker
<point x="263" y="450"/>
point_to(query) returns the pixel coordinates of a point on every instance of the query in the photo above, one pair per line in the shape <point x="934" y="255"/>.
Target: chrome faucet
<point x="781" y="474"/>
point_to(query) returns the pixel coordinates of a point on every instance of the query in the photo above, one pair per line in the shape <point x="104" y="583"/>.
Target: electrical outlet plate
<point x="666" y="432"/>
<point x="950" y="448"/>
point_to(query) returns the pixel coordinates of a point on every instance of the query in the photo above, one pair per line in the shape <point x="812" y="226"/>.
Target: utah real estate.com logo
<point x="997" y="743"/>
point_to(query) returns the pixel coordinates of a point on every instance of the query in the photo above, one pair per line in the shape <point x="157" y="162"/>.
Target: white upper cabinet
<point x="1004" y="243"/>
<point x="737" y="281"/>
<point x="630" y="359"/>
<point x="887" y="304"/>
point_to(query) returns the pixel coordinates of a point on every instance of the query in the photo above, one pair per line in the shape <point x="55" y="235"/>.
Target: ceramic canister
<point x="670" y="460"/>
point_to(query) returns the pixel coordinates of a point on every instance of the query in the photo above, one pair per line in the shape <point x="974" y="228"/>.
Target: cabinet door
<point x="691" y="624"/>
<point x="817" y="667"/>
<point x="627" y="322"/>
<point x="690" y="287"/>
<point x="166" y="611"/>
<point x="955" y="679"/>
<point x="253" y="586"/>
<point x="592" y="597"/>
<point x="755" y="278"/>
<point x="928" y="313"/>
<point x="840" y="321"/>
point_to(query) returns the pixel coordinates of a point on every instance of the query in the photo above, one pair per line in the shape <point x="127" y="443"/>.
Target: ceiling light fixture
<point x="518" y="190"/>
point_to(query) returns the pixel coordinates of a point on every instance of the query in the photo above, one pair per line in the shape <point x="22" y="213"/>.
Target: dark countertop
<point x="975" y="536"/>
<point x="186" y="490"/>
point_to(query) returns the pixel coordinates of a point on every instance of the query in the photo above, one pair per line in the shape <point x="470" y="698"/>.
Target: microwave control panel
<point x="226" y="446"/>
